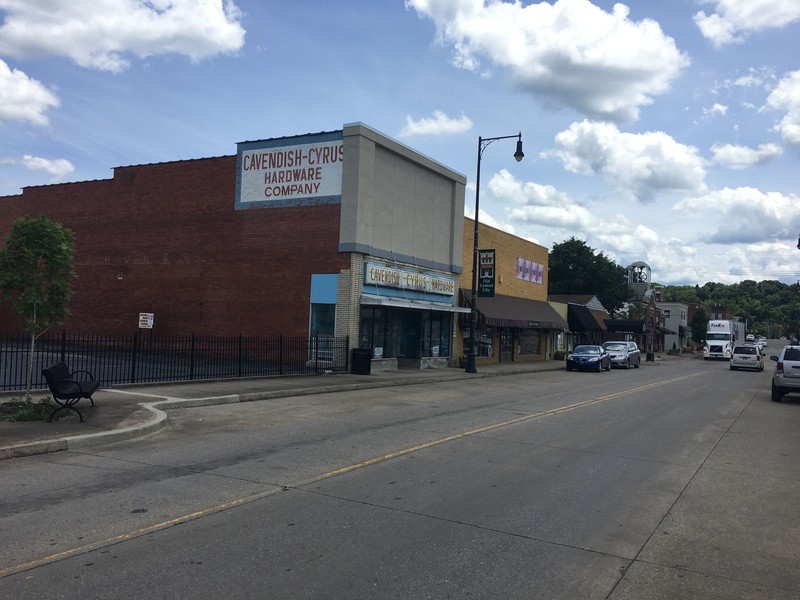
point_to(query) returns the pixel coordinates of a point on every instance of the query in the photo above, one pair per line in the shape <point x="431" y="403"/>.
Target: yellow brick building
<point x="517" y="324"/>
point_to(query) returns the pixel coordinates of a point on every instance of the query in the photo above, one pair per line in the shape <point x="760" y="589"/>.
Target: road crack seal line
<point x="123" y="537"/>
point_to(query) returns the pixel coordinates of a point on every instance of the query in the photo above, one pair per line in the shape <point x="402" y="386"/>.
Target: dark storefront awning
<point x="625" y="326"/>
<point x="507" y="311"/>
<point x="581" y="319"/>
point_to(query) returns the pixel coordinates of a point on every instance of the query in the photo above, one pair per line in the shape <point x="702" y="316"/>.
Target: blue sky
<point x="666" y="131"/>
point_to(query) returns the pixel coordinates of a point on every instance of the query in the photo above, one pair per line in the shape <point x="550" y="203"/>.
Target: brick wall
<point x="508" y="248"/>
<point x="165" y="238"/>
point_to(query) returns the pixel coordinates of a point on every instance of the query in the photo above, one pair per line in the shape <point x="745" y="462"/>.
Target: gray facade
<point x="676" y="315"/>
<point x="399" y="205"/>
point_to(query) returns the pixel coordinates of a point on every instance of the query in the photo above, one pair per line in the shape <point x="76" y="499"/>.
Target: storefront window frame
<point x="380" y="328"/>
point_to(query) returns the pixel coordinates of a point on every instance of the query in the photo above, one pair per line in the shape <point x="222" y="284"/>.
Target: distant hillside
<point x="770" y="307"/>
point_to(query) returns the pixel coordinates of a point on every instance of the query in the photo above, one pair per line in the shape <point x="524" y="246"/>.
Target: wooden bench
<point x="66" y="389"/>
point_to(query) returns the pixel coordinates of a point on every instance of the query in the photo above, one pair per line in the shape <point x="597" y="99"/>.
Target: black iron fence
<point x="142" y="357"/>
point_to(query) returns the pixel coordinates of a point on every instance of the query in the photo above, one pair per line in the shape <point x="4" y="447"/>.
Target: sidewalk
<point x="130" y="411"/>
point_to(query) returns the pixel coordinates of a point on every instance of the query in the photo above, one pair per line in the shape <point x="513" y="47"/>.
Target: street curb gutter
<point x="159" y="418"/>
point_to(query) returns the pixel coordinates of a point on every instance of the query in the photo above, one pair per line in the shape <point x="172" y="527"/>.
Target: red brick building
<point x="165" y="239"/>
<point x="345" y="232"/>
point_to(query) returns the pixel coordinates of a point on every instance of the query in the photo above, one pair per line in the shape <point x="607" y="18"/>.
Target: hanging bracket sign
<point x="486" y="273"/>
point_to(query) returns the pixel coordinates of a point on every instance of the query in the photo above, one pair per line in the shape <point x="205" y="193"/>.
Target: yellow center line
<point x="484" y="429"/>
<point x="4" y="571"/>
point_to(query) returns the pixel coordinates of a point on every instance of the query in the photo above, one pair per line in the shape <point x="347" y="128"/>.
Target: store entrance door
<point x="506" y="345"/>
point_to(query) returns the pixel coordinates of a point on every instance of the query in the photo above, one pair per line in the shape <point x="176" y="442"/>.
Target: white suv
<point x="747" y="356"/>
<point x="786" y="377"/>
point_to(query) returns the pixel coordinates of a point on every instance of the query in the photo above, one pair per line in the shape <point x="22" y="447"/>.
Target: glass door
<point x="506" y="344"/>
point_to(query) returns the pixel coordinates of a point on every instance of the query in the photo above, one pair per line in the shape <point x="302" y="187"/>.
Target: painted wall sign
<point x="528" y="270"/>
<point x="393" y="277"/>
<point x="290" y="171"/>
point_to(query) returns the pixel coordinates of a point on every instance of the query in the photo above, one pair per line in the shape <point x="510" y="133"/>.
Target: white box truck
<point x="721" y="337"/>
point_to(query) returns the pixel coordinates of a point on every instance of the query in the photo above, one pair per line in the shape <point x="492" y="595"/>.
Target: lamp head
<point x="518" y="156"/>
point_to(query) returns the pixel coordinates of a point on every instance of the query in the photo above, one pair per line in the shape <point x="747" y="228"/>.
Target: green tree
<point x="681" y="293"/>
<point x="699" y="325"/>
<point x="36" y="273"/>
<point x="575" y="268"/>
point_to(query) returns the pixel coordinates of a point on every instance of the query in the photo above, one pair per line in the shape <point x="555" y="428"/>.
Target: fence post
<point x="191" y="359"/>
<point x="280" y="354"/>
<point x="134" y="355"/>
<point x="64" y="345"/>
<point x="241" y="355"/>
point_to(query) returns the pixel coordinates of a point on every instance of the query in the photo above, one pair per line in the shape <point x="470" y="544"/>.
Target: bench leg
<point x="65" y="407"/>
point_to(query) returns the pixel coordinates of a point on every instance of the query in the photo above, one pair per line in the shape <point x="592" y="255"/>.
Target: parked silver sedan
<point x="623" y="354"/>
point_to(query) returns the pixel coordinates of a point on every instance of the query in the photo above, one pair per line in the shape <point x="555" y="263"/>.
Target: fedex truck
<point x="721" y="337"/>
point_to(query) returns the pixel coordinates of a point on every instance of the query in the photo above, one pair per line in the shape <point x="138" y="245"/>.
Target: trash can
<point x="362" y="361"/>
<point x="651" y="357"/>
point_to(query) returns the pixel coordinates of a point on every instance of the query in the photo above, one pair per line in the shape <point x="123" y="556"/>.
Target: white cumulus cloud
<point x="23" y="98"/>
<point x="570" y="52"/>
<point x="741" y="157"/>
<point x="786" y="96"/>
<point x="637" y="165"/>
<point x="58" y="168"/>
<point x="733" y="19"/>
<point x="103" y="34"/>
<point x="744" y="215"/>
<point x="543" y="206"/>
<point x="438" y="124"/>
<point x="716" y="109"/>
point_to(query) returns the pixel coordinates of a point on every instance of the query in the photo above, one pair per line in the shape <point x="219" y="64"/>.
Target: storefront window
<point x="404" y="333"/>
<point x="323" y="319"/>
<point x="485" y="341"/>
<point x="529" y="342"/>
<point x="435" y="334"/>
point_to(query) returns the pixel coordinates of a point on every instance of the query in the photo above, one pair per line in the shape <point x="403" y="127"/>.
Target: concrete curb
<point x="75" y="442"/>
<point x="160" y="418"/>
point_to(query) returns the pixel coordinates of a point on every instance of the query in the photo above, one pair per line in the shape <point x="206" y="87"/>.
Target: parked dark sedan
<point x="589" y="358"/>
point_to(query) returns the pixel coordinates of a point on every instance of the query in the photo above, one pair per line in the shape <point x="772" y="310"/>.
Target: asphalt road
<point x="673" y="481"/>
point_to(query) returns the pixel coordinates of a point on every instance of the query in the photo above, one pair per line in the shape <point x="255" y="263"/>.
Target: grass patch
<point x="22" y="409"/>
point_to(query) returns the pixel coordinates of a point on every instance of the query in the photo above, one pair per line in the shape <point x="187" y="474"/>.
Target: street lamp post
<point x="473" y="321"/>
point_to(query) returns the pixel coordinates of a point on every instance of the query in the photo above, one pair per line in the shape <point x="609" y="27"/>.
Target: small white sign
<point x="146" y="320"/>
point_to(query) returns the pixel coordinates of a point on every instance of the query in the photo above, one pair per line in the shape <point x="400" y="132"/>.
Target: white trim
<point x="371" y="300"/>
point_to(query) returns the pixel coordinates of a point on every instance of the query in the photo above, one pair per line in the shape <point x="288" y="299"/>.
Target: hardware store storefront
<point x="407" y="315"/>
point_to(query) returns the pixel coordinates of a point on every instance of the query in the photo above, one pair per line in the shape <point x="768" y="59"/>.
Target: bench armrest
<point x="72" y="375"/>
